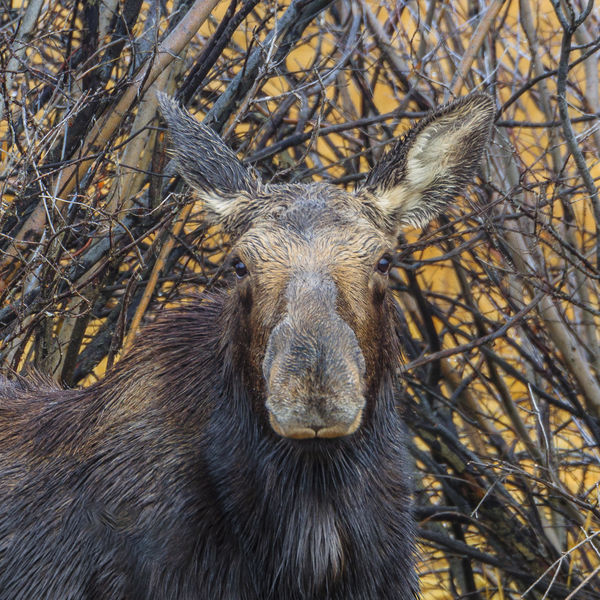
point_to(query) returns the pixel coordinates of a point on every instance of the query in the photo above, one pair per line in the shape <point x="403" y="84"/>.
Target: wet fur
<point x="165" y="480"/>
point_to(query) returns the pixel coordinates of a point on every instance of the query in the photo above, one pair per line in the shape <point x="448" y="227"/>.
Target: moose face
<point x="314" y="278"/>
<point x="310" y="261"/>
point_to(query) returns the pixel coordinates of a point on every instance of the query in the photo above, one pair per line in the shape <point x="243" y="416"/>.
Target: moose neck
<point x="326" y="518"/>
<point x="319" y="513"/>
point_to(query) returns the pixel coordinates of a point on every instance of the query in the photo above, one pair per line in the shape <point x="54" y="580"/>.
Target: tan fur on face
<point x="323" y="230"/>
<point x="312" y="260"/>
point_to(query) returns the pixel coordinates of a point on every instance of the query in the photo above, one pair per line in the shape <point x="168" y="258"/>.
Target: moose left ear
<point x="431" y="164"/>
<point x="209" y="166"/>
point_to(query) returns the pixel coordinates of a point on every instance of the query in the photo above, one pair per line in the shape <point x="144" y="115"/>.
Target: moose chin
<point x="250" y="445"/>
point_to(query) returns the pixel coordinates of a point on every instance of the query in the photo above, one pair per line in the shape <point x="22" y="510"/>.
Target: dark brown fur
<point x="249" y="447"/>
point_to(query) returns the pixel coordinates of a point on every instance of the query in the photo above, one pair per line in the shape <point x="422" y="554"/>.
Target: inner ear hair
<point x="432" y="163"/>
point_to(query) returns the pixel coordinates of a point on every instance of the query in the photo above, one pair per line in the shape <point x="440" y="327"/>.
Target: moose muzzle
<point x="313" y="366"/>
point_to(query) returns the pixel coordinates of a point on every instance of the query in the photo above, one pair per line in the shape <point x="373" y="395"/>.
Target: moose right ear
<point x="208" y="165"/>
<point x="434" y="161"/>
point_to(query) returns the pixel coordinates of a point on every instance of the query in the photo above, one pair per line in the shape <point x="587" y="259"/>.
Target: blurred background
<point x="499" y="299"/>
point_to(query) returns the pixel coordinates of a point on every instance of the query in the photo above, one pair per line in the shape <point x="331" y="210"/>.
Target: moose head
<point x="310" y="261"/>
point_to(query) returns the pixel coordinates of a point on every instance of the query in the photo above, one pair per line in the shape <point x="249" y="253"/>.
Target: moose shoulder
<point x="249" y="447"/>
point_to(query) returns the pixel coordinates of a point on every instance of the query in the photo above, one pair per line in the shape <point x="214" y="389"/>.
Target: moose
<point x="250" y="445"/>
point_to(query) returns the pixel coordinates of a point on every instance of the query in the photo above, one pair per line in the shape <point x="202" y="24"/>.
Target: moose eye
<point x="241" y="270"/>
<point x="384" y="264"/>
